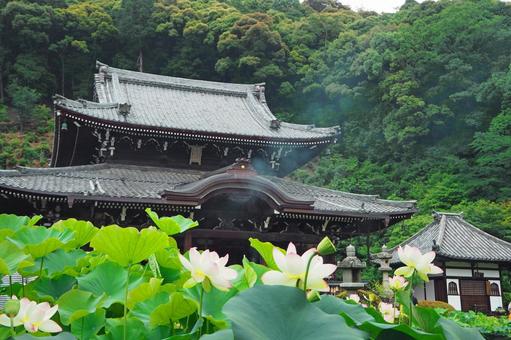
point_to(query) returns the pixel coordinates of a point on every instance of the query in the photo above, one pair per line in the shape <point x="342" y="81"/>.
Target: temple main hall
<point x="207" y="150"/>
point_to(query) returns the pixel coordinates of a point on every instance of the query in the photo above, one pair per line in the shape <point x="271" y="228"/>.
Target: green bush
<point x="488" y="325"/>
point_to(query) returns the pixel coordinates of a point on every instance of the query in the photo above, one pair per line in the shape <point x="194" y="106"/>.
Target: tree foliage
<point x="423" y="96"/>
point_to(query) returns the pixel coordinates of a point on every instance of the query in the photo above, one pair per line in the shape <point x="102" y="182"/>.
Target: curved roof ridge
<point x="82" y="103"/>
<point x="158" y="78"/>
<point x="441" y="232"/>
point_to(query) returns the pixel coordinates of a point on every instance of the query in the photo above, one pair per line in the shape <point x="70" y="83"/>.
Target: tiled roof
<point x="139" y="182"/>
<point x="186" y="104"/>
<point x="457" y="239"/>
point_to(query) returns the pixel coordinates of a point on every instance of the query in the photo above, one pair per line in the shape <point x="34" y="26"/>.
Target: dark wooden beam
<point x="244" y="235"/>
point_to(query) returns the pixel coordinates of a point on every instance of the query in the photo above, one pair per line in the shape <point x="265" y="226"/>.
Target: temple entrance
<point x="473" y="296"/>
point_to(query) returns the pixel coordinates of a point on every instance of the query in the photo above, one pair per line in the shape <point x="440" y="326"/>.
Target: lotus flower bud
<point x="12" y="307"/>
<point x="326" y="247"/>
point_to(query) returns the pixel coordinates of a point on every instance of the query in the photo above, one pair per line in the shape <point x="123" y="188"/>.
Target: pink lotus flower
<point x="33" y="317"/>
<point x="416" y="261"/>
<point x="397" y="283"/>
<point x="388" y="311"/>
<point x="293" y="268"/>
<point x="208" y="266"/>
<point x="354" y="297"/>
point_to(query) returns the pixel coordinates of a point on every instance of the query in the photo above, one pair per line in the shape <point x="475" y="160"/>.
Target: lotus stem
<point x="41" y="267"/>
<point x="200" y="307"/>
<point x="10" y="286"/>
<point x="12" y="326"/>
<point x="125" y="333"/>
<point x="307" y="273"/>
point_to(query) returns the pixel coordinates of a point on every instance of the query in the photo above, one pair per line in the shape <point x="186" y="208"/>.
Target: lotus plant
<point x="397" y="283"/>
<point x="207" y="267"/>
<point x="305" y="271"/>
<point x="417" y="267"/>
<point x="417" y="262"/>
<point x="388" y="311"/>
<point x="32" y="316"/>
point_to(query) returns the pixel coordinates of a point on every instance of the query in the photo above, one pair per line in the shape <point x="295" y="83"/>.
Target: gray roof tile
<point x="187" y="104"/>
<point x="140" y="182"/>
<point x="458" y="239"/>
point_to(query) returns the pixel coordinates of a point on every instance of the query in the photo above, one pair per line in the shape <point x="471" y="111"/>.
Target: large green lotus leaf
<point x="75" y="304"/>
<point x="40" y="241"/>
<point x="63" y="262"/>
<point x="452" y="331"/>
<point x="169" y="264"/>
<point x="10" y="224"/>
<point x="224" y="334"/>
<point x="379" y="330"/>
<point x="169" y="258"/>
<point x="144" y="291"/>
<point x="280" y="312"/>
<point x="110" y="279"/>
<point x="143" y="309"/>
<point x="51" y="289"/>
<point x="177" y="308"/>
<point x="426" y="318"/>
<point x="265" y="249"/>
<point x="88" y="326"/>
<point x="12" y="258"/>
<point x="213" y="301"/>
<point x="354" y="313"/>
<point x="128" y="245"/>
<point x="115" y="329"/>
<point x="171" y="225"/>
<point x="84" y="231"/>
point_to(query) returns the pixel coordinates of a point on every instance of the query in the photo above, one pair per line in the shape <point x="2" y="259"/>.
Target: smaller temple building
<point x="471" y="259"/>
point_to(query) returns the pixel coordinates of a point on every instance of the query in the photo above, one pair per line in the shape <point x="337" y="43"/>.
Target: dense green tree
<point x="422" y="96"/>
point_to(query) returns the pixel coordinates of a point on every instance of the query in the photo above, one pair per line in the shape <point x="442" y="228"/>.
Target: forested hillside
<point x="423" y="96"/>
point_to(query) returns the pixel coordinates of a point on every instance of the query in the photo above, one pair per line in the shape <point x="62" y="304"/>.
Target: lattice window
<point x="452" y="288"/>
<point x="494" y="289"/>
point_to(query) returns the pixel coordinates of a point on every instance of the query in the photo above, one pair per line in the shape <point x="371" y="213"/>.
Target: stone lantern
<point x="351" y="267"/>
<point x="383" y="260"/>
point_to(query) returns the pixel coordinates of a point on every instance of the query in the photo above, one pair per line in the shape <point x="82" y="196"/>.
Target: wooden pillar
<point x="188" y="241"/>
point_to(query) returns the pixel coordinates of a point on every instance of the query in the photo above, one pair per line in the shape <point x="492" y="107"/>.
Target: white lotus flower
<point x="354" y="297"/>
<point x="208" y="265"/>
<point x="293" y="268"/>
<point x="397" y="282"/>
<point x="388" y="311"/>
<point x="415" y="261"/>
<point x="33" y="316"/>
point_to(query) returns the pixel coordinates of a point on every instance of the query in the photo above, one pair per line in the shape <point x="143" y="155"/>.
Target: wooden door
<point x="473" y="296"/>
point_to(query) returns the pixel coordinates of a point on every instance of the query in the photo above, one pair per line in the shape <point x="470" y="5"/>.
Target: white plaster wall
<point x="455" y="301"/>
<point x="458" y="272"/>
<point x="496" y="301"/>
<point x="430" y="290"/>
<point x="489" y="272"/>
<point x="418" y="292"/>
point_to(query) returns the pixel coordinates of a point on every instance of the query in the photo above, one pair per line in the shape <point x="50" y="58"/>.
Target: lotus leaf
<point x="279" y="312"/>
<point x="127" y="246"/>
<point x="76" y="304"/>
<point x="109" y="279"/>
<point x="40" y="241"/>
<point x="171" y="225"/>
<point x="12" y="258"/>
<point x="84" y="231"/>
